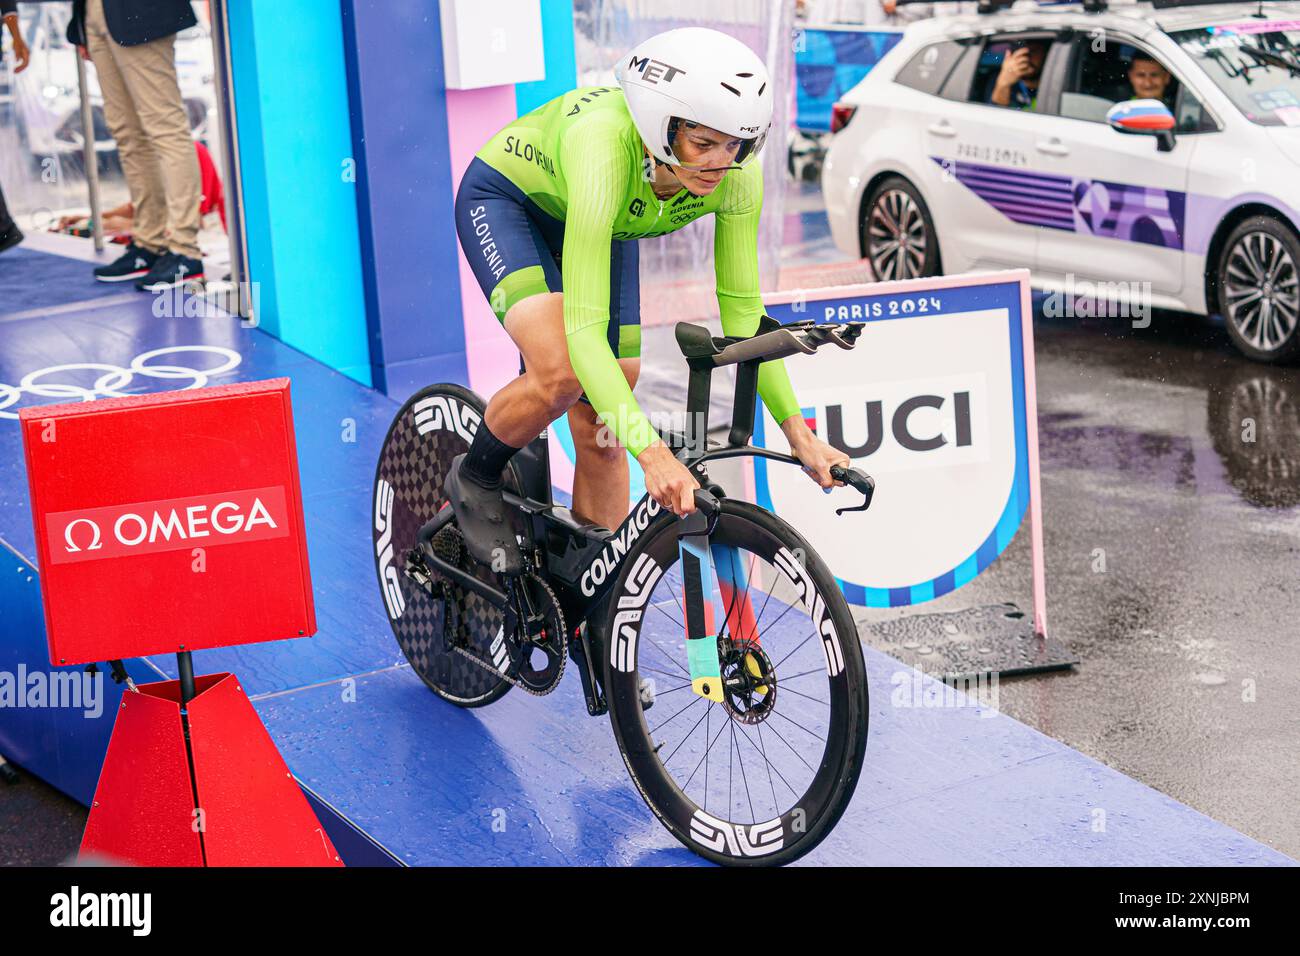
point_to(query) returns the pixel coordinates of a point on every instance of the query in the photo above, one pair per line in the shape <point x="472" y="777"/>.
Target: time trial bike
<point x="719" y="643"/>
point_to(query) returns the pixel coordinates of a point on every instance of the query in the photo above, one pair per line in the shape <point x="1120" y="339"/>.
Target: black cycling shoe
<point x="10" y="236"/>
<point x="484" y="520"/>
<point x="132" y="264"/>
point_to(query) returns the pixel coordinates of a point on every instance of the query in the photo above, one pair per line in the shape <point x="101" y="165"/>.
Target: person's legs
<point x="601" y="479"/>
<point x="600" y="473"/>
<point x="139" y="160"/>
<point x="515" y="267"/>
<point x="10" y="234"/>
<point x="514" y="417"/>
<point x="548" y="388"/>
<point x="149" y="71"/>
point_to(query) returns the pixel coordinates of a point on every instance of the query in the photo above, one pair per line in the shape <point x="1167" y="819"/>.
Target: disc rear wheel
<point x="433" y="427"/>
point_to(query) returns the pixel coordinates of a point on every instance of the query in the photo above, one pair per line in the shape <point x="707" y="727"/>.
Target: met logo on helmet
<point x="653" y="70"/>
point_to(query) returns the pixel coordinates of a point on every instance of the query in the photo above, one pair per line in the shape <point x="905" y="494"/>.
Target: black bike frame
<point x="582" y="565"/>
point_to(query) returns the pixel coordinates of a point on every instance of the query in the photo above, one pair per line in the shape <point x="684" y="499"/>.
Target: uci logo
<point x="906" y="433"/>
<point x="652" y="71"/>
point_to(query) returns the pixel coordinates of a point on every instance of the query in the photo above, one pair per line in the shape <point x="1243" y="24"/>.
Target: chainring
<point x="513" y="657"/>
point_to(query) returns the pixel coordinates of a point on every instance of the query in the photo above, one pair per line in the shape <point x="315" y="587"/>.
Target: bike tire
<point x="432" y="428"/>
<point x="756" y="843"/>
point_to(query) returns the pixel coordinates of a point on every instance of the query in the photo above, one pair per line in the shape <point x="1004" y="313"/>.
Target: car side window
<point x="1008" y="71"/>
<point x="1190" y="115"/>
<point x="1099" y="77"/>
<point x="929" y="67"/>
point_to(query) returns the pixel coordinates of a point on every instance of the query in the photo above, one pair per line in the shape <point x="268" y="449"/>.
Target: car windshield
<point x="1255" y="62"/>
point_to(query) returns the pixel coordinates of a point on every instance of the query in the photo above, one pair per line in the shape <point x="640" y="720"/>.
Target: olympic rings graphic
<point x="115" y="378"/>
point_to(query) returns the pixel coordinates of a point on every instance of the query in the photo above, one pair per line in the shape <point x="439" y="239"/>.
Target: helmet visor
<point x="700" y="147"/>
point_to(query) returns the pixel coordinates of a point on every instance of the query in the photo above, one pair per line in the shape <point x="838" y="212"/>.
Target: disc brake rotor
<point x="748" y="682"/>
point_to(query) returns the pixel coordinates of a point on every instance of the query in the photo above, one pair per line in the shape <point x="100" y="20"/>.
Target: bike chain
<point x="564" y="648"/>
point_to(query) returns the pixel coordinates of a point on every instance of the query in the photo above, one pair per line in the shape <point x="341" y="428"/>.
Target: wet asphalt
<point x="1171" y="503"/>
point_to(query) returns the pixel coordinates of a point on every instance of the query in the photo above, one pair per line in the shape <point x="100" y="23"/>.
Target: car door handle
<point x="1053" y="147"/>
<point x="942" y="128"/>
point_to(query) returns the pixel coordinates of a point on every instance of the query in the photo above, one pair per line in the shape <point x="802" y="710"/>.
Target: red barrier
<point x="172" y="523"/>
<point x="244" y="800"/>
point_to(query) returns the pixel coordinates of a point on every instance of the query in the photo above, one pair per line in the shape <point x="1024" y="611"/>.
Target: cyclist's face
<point x="705" y="154"/>
<point x="1148" y="79"/>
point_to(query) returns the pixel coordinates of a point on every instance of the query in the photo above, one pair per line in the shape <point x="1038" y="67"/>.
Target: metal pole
<point x="185" y="666"/>
<point x="219" y="27"/>
<point x="88" y="151"/>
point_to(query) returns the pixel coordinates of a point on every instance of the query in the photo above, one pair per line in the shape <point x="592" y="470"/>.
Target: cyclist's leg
<point x="545" y="391"/>
<point x="600" y="474"/>
<point x="515" y="267"/>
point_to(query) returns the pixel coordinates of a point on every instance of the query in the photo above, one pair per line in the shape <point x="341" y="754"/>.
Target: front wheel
<point x="897" y="232"/>
<point x="761" y="777"/>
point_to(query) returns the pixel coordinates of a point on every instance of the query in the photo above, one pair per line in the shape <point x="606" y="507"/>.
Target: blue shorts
<point x="514" y="249"/>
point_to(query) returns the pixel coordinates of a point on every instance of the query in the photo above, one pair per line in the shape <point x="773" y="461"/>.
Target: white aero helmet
<point x="700" y="76"/>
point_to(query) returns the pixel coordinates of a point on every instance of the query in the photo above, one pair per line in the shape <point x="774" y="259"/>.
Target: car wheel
<point x="1259" y="289"/>
<point x="897" y="232"/>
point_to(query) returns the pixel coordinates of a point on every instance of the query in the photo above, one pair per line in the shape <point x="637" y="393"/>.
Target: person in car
<point x="1016" y="84"/>
<point x="1148" y="79"/>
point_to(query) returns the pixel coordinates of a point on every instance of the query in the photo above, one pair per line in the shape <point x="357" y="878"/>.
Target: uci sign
<point x="937" y="404"/>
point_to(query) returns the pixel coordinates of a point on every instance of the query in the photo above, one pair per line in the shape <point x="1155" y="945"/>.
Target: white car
<point x="926" y="175"/>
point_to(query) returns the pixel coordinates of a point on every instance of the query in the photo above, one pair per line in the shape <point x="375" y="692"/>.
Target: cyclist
<point x="549" y="213"/>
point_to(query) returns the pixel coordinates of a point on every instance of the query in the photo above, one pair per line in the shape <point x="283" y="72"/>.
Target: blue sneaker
<point x="169" y="271"/>
<point x="133" y="263"/>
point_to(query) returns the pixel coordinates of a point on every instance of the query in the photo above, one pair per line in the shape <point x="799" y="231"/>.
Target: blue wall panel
<point x="299" y="195"/>
<point x="561" y="61"/>
<point x="405" y="200"/>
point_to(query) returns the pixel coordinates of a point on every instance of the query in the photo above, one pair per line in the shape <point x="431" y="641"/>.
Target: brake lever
<point x="860" y="481"/>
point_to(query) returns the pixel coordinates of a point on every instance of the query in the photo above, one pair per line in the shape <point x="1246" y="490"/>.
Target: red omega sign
<point x="168" y="522"/>
<point x="235" y="517"/>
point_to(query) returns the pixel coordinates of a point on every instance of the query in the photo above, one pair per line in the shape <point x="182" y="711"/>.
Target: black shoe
<point x="10" y="237"/>
<point x="169" y="271"/>
<point x="132" y="264"/>
<point x="484" y="520"/>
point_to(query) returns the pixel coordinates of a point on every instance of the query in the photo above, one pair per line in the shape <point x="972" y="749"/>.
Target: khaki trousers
<point x="145" y="113"/>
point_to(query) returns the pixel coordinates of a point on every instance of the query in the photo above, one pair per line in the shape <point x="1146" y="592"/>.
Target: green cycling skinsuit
<point x="556" y="201"/>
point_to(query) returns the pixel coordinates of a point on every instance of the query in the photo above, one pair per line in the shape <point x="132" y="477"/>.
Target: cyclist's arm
<point x="596" y="171"/>
<point x="735" y="258"/>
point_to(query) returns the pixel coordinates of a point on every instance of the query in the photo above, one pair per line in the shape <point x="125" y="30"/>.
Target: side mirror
<point x="1143" y="118"/>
